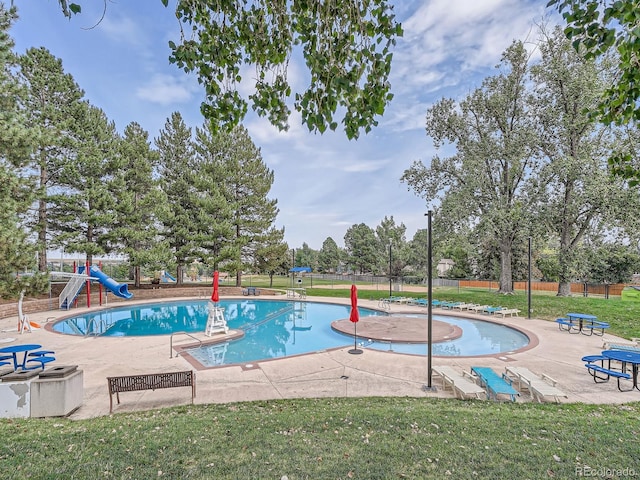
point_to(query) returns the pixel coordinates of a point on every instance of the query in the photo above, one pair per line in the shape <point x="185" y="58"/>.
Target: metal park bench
<point x="153" y="381"/>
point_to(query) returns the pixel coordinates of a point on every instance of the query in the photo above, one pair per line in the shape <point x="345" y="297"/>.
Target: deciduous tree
<point x="486" y="179"/>
<point x="347" y="46"/>
<point x="597" y="28"/>
<point x="579" y="192"/>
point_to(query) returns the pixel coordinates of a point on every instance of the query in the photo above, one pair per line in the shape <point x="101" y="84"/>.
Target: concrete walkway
<point x="331" y="373"/>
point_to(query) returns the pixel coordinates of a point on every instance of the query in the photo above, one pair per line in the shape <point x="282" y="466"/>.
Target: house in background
<point x="444" y="265"/>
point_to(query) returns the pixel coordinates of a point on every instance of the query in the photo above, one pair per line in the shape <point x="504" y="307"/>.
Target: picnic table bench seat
<point x="41" y="360"/>
<point x="594" y="358"/>
<point x="594" y="325"/>
<point x="567" y="324"/>
<point x="153" y="381"/>
<point x="494" y="383"/>
<point x="594" y="370"/>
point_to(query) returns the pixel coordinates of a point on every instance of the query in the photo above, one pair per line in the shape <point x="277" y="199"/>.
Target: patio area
<point x="328" y="373"/>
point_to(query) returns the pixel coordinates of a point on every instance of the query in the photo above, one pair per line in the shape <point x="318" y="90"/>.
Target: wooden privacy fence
<point x="585" y="289"/>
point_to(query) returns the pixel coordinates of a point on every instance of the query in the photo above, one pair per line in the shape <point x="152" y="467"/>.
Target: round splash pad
<point x="398" y="329"/>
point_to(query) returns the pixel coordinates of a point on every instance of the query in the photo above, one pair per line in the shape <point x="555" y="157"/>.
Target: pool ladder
<point x="180" y="333"/>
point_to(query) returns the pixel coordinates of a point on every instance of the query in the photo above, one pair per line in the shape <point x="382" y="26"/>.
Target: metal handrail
<point x="180" y="333"/>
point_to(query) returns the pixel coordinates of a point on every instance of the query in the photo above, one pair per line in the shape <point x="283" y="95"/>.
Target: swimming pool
<point x="190" y="316"/>
<point x="278" y="328"/>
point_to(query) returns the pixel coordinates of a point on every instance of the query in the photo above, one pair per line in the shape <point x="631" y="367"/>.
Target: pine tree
<point x="273" y="255"/>
<point x="176" y="162"/>
<point x="212" y="214"/>
<point x="247" y="182"/>
<point x="138" y="198"/>
<point x="81" y="210"/>
<point x="17" y="254"/>
<point x="329" y="256"/>
<point x="52" y="106"/>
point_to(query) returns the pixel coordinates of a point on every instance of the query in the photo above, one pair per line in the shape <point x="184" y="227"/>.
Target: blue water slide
<point x="119" y="289"/>
<point x="167" y="276"/>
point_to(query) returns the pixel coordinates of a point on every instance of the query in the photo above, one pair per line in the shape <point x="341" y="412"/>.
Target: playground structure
<point x="166" y="277"/>
<point x="83" y="278"/>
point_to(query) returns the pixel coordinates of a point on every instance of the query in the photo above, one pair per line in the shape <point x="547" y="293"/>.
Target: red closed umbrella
<point x="354" y="316"/>
<point x="215" y="296"/>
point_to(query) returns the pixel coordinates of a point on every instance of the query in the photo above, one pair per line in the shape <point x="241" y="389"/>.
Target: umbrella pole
<point x="355" y="350"/>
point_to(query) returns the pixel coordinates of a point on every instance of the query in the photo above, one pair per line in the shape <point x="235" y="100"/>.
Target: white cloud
<point x="166" y="90"/>
<point x="123" y="30"/>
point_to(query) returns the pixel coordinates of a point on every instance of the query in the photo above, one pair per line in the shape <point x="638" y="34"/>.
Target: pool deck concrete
<point x="330" y="373"/>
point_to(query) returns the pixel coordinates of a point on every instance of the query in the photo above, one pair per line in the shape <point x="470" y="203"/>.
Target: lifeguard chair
<point x="216" y="322"/>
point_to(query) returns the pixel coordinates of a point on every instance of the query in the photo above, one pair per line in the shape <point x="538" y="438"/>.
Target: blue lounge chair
<point x="450" y="305"/>
<point x="610" y="346"/>
<point x="492" y="310"/>
<point x="417" y="301"/>
<point x="494" y="383"/>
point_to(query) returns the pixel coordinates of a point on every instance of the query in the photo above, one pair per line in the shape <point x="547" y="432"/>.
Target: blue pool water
<point x="275" y="329"/>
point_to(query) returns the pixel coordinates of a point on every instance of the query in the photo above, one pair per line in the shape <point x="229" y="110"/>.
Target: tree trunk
<point x="136" y="274"/>
<point x="42" y="224"/>
<point x="239" y="278"/>
<point x="179" y="273"/>
<point x="564" y="278"/>
<point x="565" y="262"/>
<point x="506" y="276"/>
<point x="564" y="289"/>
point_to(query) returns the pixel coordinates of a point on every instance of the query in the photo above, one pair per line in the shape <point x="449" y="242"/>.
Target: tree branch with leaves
<point x="347" y="47"/>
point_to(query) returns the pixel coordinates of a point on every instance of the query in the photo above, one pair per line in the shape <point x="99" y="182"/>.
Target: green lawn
<point x="367" y="438"/>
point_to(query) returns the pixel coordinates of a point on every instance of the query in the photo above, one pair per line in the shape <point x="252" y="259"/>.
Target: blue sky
<point x="324" y="183"/>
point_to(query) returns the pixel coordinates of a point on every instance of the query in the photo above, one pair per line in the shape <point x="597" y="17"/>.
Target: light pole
<point x="390" y="269"/>
<point x="529" y="284"/>
<point x="429" y="386"/>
